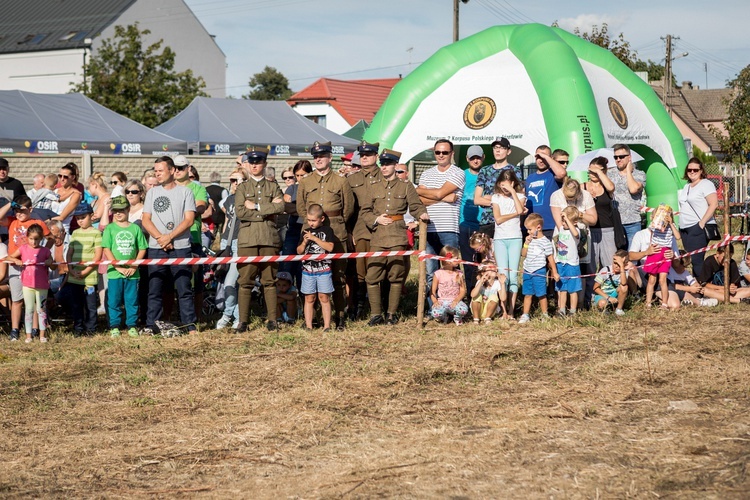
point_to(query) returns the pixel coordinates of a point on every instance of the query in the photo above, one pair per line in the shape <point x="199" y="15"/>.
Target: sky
<point x="353" y="39"/>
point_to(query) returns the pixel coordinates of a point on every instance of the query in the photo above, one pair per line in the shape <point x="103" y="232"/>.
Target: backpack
<point x="583" y="241"/>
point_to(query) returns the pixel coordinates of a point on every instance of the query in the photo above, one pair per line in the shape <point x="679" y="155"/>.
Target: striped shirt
<point x="662" y="238"/>
<point x="444" y="216"/>
<point x="84" y="243"/>
<point x="537" y="253"/>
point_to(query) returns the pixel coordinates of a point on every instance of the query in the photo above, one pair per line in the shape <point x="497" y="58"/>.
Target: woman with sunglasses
<point x="68" y="192"/>
<point x="698" y="202"/>
<point x="135" y="193"/>
<point x="117" y="182"/>
<point x="231" y="314"/>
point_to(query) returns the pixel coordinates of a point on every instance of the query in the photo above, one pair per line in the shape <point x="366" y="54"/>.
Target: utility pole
<point x="455" y="18"/>
<point x="667" y="70"/>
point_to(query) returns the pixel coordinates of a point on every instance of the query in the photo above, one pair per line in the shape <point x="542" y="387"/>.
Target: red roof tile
<point x="353" y="99"/>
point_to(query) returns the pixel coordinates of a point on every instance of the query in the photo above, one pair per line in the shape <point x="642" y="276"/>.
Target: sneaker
<point x="147" y="331"/>
<point x="525" y="318"/>
<point x="458" y="321"/>
<point x="235" y="324"/>
<point x="14" y="334"/>
<point x="28" y="340"/>
<point x="327" y="330"/>
<point x="619" y="312"/>
<point x="271" y="326"/>
<point x="114" y="332"/>
<point x="710" y="302"/>
<point x="223" y="322"/>
<point x="376" y="320"/>
<point x="101" y="311"/>
<point x="561" y="313"/>
<point x="43" y="340"/>
<point x="132" y="332"/>
<point x="34" y="332"/>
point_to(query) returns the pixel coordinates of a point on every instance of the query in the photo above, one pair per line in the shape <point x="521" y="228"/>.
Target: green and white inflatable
<point x="534" y="85"/>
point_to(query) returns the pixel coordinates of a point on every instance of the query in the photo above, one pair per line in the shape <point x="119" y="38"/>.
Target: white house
<point x="45" y="44"/>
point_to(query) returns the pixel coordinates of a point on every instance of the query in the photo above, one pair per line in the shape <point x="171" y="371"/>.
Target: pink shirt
<point x="34" y="276"/>
<point x="449" y="284"/>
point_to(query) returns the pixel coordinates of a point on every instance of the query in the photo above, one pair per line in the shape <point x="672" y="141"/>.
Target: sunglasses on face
<point x="400" y="171"/>
<point x="563" y="162"/>
<point x="693" y="170"/>
<point x="64" y="177"/>
<point x="183" y="167"/>
<point x="442" y="153"/>
<point x="132" y="192"/>
<point x="288" y="177"/>
<point x="234" y="180"/>
<point x="620" y="157"/>
<point x="114" y="183"/>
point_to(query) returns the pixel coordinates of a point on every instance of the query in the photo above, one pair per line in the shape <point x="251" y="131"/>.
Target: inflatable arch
<point x="534" y="85"/>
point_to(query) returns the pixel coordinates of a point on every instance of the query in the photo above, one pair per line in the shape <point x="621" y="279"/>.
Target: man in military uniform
<point x="257" y="202"/>
<point x="333" y="193"/>
<point x="383" y="213"/>
<point x="361" y="183"/>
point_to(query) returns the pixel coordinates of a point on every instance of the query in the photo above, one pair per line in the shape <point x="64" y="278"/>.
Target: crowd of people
<point x="550" y="238"/>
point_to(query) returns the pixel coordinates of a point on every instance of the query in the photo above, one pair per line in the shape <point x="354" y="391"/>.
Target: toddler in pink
<point x="36" y="261"/>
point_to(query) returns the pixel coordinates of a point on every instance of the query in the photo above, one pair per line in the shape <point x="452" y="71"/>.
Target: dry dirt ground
<point x="652" y="405"/>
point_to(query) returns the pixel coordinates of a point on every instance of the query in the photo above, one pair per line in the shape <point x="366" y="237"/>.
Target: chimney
<point x="687" y="85"/>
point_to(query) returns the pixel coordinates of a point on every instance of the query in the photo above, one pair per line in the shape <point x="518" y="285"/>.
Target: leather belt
<point x="333" y="213"/>
<point x="395" y="217"/>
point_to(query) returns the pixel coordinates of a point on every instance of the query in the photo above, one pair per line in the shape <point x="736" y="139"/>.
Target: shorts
<point x="316" y="282"/>
<point x="485" y="301"/>
<point x="14" y="283"/>
<point x="535" y="284"/>
<point x="570" y="279"/>
<point x="656" y="264"/>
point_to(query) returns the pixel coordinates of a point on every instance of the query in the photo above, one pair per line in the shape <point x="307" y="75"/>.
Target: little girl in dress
<point x="448" y="289"/>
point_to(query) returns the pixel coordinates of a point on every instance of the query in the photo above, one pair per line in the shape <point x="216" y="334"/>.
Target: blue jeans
<point x="467" y="253"/>
<point x="123" y="292"/>
<point x="435" y="243"/>
<point x="630" y="230"/>
<point x="507" y="256"/>
<point x="181" y="277"/>
<point x="230" y="288"/>
<point x="73" y="297"/>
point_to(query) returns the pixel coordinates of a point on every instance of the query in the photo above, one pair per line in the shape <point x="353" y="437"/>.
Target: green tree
<point x="621" y="49"/>
<point x="736" y="143"/>
<point x="269" y="85"/>
<point x="710" y="161"/>
<point x="138" y="82"/>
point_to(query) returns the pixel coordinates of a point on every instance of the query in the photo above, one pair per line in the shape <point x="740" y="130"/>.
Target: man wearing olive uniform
<point x="383" y="212"/>
<point x="257" y="202"/>
<point x="361" y="183"/>
<point x="333" y="193"/>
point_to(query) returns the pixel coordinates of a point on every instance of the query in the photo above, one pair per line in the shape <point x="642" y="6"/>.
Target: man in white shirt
<point x="441" y="189"/>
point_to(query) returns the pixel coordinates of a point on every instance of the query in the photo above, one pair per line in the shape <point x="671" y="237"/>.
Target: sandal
<point x="476" y="321"/>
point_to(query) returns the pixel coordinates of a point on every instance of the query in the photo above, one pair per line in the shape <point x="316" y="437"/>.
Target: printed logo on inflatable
<point x="618" y="112"/>
<point x="479" y="113"/>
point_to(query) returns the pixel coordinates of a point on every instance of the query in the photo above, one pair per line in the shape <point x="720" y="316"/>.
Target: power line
<point x="521" y="14"/>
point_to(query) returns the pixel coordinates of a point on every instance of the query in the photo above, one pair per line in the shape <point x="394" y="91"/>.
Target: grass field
<point x="651" y="405"/>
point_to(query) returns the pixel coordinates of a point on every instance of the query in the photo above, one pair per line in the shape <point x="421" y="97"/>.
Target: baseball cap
<point x="501" y="142"/>
<point x="283" y="275"/>
<point x="120" y="203"/>
<point x="180" y="161"/>
<point x="474" y="151"/>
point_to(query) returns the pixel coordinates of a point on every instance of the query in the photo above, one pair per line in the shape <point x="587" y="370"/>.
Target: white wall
<point x="174" y="22"/>
<point x="334" y="121"/>
<point x="48" y="72"/>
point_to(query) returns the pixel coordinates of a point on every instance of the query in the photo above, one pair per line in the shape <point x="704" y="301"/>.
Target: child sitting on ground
<point x="449" y="289"/>
<point x="663" y="234"/>
<point x="486" y="295"/>
<point x="317" y="278"/>
<point x="684" y="288"/>
<point x="538" y="256"/>
<point x="611" y="284"/>
<point x="286" y="295"/>
<point x="567" y="260"/>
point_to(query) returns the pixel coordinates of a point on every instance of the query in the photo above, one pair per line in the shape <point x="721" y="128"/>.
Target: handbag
<point x="621" y="239"/>
<point x="711" y="229"/>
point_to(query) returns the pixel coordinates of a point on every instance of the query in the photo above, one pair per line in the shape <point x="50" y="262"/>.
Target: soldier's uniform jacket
<point x="258" y="227"/>
<point x="392" y="197"/>
<point x="333" y="193"/>
<point x="361" y="183"/>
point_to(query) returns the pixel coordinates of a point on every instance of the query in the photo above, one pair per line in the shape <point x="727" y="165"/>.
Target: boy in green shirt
<point x="85" y="246"/>
<point x="123" y="241"/>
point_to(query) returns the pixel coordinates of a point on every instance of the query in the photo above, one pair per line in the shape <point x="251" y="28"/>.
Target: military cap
<point x="319" y="148"/>
<point x="389" y="156"/>
<point x="367" y="147"/>
<point x="257" y="152"/>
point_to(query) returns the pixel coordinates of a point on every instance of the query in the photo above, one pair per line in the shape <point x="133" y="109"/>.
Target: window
<point x="319" y="119"/>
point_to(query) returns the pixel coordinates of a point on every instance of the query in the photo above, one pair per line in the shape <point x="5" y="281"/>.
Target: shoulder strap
<point x="691" y="205"/>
